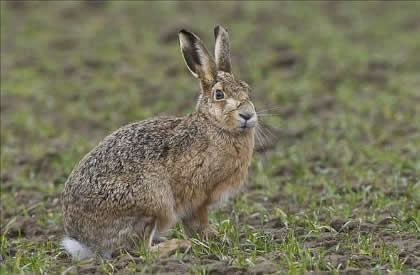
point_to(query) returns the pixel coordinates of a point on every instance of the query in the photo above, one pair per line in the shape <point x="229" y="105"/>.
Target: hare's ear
<point x="197" y="57"/>
<point x="222" y="49"/>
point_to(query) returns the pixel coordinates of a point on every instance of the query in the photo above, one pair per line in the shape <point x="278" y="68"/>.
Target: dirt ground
<point x="334" y="186"/>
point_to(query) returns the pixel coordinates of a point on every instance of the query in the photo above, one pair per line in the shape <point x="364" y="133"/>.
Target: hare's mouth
<point x="247" y="123"/>
<point x="246" y="126"/>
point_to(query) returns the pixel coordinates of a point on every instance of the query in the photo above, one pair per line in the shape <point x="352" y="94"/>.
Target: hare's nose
<point x="246" y="116"/>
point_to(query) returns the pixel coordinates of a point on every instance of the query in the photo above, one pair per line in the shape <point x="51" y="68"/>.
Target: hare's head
<point x="223" y="99"/>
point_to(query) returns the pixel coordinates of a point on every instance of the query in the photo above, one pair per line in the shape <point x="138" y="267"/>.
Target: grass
<point x="337" y="188"/>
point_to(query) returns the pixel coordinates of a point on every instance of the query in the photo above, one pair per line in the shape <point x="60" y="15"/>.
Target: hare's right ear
<point x="222" y="49"/>
<point x="196" y="56"/>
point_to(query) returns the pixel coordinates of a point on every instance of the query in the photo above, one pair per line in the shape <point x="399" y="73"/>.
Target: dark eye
<point x="219" y="94"/>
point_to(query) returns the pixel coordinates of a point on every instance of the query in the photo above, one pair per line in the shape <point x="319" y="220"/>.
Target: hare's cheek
<point x="229" y="121"/>
<point x="217" y="113"/>
<point x="230" y="105"/>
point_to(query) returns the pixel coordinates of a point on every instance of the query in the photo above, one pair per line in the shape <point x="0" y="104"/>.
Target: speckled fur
<point x="149" y="174"/>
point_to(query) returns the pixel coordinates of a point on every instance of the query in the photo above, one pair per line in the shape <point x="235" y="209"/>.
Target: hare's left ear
<point x="196" y="56"/>
<point x="222" y="49"/>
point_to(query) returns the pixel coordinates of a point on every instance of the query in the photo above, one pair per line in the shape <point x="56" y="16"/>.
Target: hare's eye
<point x="219" y="94"/>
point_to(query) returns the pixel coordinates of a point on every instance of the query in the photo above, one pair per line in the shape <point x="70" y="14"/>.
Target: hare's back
<point x="129" y="152"/>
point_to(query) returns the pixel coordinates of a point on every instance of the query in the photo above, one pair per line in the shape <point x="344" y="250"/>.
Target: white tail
<point x="76" y="249"/>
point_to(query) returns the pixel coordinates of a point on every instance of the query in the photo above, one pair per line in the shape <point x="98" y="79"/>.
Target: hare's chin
<point x="247" y="125"/>
<point x="245" y="128"/>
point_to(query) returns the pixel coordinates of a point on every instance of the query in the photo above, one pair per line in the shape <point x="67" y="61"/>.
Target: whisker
<point x="269" y="109"/>
<point x="268" y="132"/>
<point x="265" y="135"/>
<point x="261" y="142"/>
<point x="258" y="139"/>
<point x="273" y="107"/>
<point x="259" y="136"/>
<point x="268" y="114"/>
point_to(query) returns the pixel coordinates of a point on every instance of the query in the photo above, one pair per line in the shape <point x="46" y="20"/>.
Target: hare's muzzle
<point x="247" y="117"/>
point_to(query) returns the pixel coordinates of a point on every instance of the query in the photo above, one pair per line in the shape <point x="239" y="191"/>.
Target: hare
<point x="147" y="175"/>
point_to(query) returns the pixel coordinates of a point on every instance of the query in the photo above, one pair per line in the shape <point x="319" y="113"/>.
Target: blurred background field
<point x="335" y="183"/>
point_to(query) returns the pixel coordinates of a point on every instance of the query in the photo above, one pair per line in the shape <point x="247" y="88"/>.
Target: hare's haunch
<point x="147" y="175"/>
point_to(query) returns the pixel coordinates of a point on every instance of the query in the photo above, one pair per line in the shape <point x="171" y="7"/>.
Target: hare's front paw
<point x="197" y="223"/>
<point x="210" y="232"/>
<point x="207" y="232"/>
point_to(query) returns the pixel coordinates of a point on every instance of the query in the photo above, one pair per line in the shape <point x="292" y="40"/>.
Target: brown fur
<point x="149" y="174"/>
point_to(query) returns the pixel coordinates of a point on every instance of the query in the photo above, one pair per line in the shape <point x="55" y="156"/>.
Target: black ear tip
<point x="183" y="31"/>
<point x="189" y="35"/>
<point x="216" y="30"/>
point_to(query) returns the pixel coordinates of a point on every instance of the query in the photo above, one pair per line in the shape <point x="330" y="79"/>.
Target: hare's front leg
<point x="198" y="223"/>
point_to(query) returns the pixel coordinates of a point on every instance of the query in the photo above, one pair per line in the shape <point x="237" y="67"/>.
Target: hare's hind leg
<point x="145" y="230"/>
<point x="126" y="233"/>
<point x="168" y="247"/>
